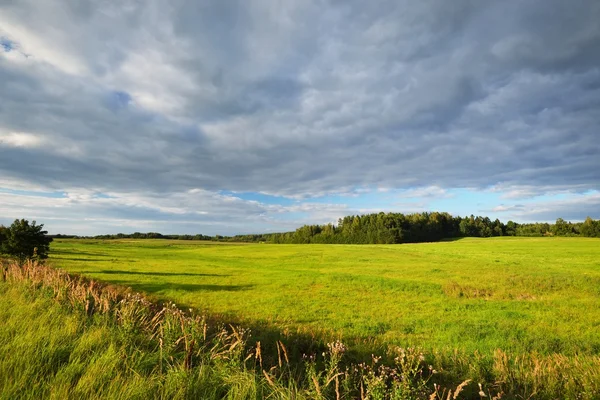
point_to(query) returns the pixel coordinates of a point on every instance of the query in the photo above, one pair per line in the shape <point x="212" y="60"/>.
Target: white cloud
<point x="20" y="139"/>
<point x="427" y="192"/>
<point x="39" y="46"/>
<point x="569" y="206"/>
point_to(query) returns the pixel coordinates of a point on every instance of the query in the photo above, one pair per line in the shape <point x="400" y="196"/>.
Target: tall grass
<point x="64" y="336"/>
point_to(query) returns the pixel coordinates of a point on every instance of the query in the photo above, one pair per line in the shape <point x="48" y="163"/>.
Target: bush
<point x="25" y="241"/>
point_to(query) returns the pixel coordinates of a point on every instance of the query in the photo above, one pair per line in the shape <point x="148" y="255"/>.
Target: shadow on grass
<point x="454" y="239"/>
<point x="298" y="343"/>
<point x="81" y="259"/>
<point x="123" y="272"/>
<point x="78" y="253"/>
<point x="154" y="288"/>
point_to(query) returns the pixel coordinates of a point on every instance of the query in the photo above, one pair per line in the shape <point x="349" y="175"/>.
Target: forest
<point x="390" y="228"/>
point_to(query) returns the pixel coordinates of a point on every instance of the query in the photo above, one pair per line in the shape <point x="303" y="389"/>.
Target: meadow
<point x="521" y="295"/>
<point x="502" y="318"/>
<point x="64" y="336"/>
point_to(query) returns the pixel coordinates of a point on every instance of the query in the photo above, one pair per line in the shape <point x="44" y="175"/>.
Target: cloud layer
<point x="166" y="106"/>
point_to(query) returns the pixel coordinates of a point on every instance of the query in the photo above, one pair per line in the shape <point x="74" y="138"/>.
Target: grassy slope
<point x="47" y="351"/>
<point x="518" y="294"/>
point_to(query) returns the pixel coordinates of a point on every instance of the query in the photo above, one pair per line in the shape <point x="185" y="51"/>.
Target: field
<point x="522" y="295"/>
<point x="53" y="347"/>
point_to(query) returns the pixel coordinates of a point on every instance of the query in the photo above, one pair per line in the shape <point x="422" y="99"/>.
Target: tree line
<point x="155" y="235"/>
<point x="390" y="228"/>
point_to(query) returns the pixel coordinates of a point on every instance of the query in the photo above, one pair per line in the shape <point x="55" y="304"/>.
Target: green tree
<point x="467" y="227"/>
<point x="511" y="228"/>
<point x="562" y="228"/>
<point x="590" y="228"/>
<point x="3" y="235"/>
<point x="26" y="241"/>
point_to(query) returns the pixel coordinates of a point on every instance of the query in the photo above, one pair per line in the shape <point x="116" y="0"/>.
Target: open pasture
<point x="518" y="294"/>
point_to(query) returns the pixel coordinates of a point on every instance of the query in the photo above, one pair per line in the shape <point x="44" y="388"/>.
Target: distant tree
<point x="26" y="241"/>
<point x="511" y="228"/>
<point x="467" y="227"/>
<point x="562" y="228"/>
<point x="590" y="228"/>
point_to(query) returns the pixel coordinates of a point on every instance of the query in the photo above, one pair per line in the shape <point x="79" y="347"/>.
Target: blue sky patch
<point x="6" y="45"/>
<point x="260" y="197"/>
<point x="54" y="195"/>
<point x="118" y="99"/>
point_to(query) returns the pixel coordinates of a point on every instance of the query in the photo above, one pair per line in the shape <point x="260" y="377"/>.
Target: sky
<point x="227" y="117"/>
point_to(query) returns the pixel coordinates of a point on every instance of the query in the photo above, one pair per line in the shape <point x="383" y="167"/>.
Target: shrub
<point x="25" y="241"/>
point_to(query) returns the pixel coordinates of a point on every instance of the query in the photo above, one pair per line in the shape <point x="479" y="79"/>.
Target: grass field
<point x="522" y="295"/>
<point x="66" y="337"/>
<point x="52" y="347"/>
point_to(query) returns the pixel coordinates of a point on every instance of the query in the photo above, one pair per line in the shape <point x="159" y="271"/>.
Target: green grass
<point x="64" y="336"/>
<point x="521" y="295"/>
<point x="53" y="350"/>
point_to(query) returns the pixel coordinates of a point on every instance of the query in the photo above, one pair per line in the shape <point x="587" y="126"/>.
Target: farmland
<point x="521" y="295"/>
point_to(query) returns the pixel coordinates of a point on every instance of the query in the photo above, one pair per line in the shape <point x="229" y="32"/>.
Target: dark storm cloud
<point x="300" y="98"/>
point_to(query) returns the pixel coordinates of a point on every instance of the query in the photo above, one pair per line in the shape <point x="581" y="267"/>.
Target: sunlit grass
<point x="63" y="336"/>
<point x="517" y="294"/>
<point x="53" y="349"/>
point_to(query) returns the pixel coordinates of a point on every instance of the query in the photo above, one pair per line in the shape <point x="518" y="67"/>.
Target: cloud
<point x="301" y="99"/>
<point x="513" y="192"/>
<point x="86" y="212"/>
<point x="574" y="208"/>
<point x="425" y="192"/>
<point x="20" y="139"/>
<point x="505" y="208"/>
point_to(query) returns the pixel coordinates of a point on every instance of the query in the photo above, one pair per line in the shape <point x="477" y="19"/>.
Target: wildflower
<point x="336" y="347"/>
